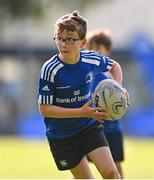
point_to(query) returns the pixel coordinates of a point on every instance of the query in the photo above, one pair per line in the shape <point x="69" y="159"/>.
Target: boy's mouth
<point x="65" y="51"/>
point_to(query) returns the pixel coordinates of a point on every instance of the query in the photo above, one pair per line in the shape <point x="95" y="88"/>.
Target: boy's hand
<point x="97" y="113"/>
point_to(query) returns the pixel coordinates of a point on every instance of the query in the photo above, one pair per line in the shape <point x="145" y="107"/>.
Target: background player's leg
<point x="115" y="140"/>
<point x="103" y="161"/>
<point x="82" y="170"/>
<point x="118" y="164"/>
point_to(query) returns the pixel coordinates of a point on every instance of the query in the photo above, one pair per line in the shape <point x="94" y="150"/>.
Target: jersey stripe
<point x="55" y="70"/>
<point x="51" y="68"/>
<point x="91" y="61"/>
<point x="92" y="57"/>
<point x="103" y="57"/>
<point x="48" y="67"/>
<point x="40" y="99"/>
<point x="109" y="66"/>
<point x="90" y="53"/>
<point x="50" y="99"/>
<point x="45" y="65"/>
<point x="45" y="99"/>
<point x="110" y="62"/>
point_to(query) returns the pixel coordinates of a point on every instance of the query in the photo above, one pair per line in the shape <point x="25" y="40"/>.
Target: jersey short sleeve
<point x="107" y="61"/>
<point x="102" y="63"/>
<point x="46" y="81"/>
<point x="45" y="95"/>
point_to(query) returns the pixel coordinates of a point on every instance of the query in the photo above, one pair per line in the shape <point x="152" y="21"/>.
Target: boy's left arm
<point x="116" y="72"/>
<point x="117" y="75"/>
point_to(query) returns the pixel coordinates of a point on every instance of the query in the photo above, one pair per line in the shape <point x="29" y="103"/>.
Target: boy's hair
<point x="72" y="22"/>
<point x="99" y="37"/>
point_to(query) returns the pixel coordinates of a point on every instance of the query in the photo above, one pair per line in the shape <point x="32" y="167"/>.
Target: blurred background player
<point x="100" y="40"/>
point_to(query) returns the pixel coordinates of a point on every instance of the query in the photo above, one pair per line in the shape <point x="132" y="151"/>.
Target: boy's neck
<point x="70" y="60"/>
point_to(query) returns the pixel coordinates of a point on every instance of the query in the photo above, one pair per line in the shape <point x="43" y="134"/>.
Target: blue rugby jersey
<point x="69" y="86"/>
<point x="109" y="126"/>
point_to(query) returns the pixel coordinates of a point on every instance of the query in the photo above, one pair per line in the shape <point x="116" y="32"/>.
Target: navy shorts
<point x="68" y="152"/>
<point x="115" y="141"/>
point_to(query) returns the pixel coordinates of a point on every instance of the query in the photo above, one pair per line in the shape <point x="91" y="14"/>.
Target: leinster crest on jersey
<point x="89" y="77"/>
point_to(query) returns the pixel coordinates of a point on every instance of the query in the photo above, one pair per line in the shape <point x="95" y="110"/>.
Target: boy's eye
<point x="65" y="40"/>
<point x="60" y="39"/>
<point x="68" y="41"/>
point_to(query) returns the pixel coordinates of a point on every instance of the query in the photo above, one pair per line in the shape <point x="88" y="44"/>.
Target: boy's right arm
<point x="52" y="111"/>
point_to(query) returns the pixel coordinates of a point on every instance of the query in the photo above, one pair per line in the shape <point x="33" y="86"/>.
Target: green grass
<point x="31" y="159"/>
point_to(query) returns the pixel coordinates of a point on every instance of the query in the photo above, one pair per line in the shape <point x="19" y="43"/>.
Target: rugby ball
<point x="110" y="95"/>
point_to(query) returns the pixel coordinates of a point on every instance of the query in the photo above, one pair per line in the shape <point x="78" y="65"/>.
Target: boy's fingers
<point x="100" y="109"/>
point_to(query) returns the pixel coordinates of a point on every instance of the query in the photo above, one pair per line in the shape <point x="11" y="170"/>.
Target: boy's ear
<point x="84" y="43"/>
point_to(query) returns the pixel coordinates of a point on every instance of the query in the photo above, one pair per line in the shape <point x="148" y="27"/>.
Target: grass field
<point x="31" y="159"/>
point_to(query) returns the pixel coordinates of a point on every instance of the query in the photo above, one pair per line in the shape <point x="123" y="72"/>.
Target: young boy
<point x="100" y="40"/>
<point x="65" y="102"/>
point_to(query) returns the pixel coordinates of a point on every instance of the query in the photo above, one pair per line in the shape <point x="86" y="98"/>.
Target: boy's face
<point x="69" y="43"/>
